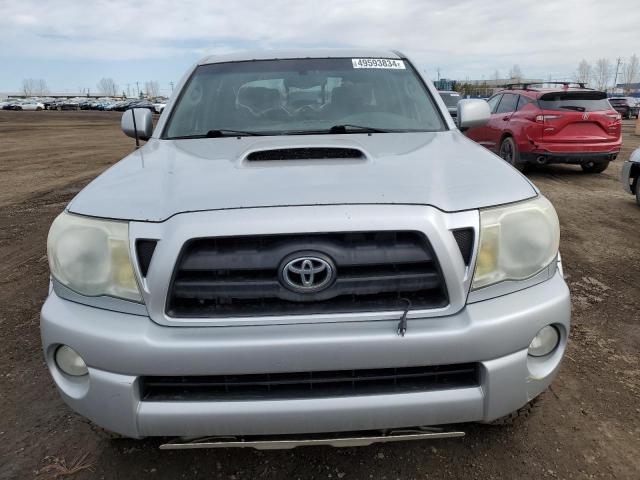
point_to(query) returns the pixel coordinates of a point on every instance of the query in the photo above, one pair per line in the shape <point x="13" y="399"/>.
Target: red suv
<point x="565" y="124"/>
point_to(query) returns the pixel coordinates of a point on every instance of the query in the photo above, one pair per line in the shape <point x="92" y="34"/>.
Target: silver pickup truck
<point x="305" y="250"/>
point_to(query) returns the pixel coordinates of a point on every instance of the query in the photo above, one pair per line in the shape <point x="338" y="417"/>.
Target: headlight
<point x="91" y="256"/>
<point x="516" y="241"/>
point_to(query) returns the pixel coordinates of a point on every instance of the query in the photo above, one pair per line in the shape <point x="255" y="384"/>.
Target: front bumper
<point x="119" y="348"/>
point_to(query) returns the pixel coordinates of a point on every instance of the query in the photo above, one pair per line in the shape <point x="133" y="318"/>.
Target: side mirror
<point x="136" y="123"/>
<point x="473" y="112"/>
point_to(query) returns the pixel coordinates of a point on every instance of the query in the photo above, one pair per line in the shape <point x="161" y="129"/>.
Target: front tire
<point x="510" y="154"/>
<point x="594" y="167"/>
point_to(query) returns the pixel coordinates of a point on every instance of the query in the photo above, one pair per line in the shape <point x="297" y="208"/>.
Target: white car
<point x="159" y="107"/>
<point x="31" y="105"/>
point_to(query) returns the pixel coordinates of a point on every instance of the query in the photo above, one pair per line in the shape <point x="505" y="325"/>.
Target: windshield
<point x="278" y="97"/>
<point x="450" y="99"/>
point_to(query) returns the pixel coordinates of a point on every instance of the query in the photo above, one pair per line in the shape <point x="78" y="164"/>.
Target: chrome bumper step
<point x="355" y="439"/>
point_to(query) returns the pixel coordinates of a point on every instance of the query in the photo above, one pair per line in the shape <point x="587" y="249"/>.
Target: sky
<point x="73" y="44"/>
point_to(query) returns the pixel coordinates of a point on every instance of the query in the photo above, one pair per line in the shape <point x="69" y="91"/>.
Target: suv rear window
<point x="618" y="101"/>
<point x="589" y="101"/>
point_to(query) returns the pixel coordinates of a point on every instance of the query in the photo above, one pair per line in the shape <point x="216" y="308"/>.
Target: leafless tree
<point x="631" y="71"/>
<point x="152" y="88"/>
<point x="515" y="73"/>
<point x="34" y="86"/>
<point x="583" y="73"/>
<point x="108" y="86"/>
<point x="602" y="73"/>
<point x="496" y="75"/>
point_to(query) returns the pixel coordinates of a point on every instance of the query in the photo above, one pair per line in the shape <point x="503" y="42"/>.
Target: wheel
<point x="509" y="153"/>
<point x="39" y="108"/>
<point x="519" y="415"/>
<point x="638" y="190"/>
<point x="595" y="167"/>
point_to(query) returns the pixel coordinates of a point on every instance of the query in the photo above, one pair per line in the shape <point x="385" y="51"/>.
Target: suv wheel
<point x="595" y="167"/>
<point x="509" y="153"/>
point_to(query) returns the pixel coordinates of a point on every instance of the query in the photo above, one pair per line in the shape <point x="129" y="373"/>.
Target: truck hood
<point x="166" y="177"/>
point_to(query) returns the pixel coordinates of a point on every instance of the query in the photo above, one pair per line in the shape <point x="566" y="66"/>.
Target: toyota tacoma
<point x="305" y="250"/>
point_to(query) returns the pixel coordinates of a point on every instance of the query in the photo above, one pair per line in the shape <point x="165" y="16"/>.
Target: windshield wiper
<point x="217" y="134"/>
<point x="223" y="132"/>
<point x="573" y="107"/>
<point x="346" y="127"/>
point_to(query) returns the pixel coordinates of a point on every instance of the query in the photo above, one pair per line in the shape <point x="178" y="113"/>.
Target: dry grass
<point x="60" y="468"/>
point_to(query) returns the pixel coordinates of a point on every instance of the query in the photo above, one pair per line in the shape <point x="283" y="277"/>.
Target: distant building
<point x="445" y="84"/>
<point x="631" y="89"/>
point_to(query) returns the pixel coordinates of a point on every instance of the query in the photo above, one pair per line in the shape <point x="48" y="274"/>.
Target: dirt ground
<point x="586" y="426"/>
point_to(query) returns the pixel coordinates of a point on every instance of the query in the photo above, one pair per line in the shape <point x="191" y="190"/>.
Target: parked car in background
<point x="630" y="175"/>
<point x="67" y="104"/>
<point x="626" y="106"/>
<point x="159" y="106"/>
<point x="115" y="106"/>
<point x="23" y="104"/>
<point x="47" y="101"/>
<point x="31" y="105"/>
<point x="559" y="124"/>
<point x="347" y="271"/>
<point x="451" y="100"/>
<point x="142" y="104"/>
<point x="123" y="105"/>
<point x="12" y="104"/>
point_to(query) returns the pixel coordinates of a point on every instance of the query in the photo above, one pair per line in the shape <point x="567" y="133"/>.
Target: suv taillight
<point x="544" y="118"/>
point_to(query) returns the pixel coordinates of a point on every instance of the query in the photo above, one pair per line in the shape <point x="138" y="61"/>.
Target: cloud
<point x="464" y="38"/>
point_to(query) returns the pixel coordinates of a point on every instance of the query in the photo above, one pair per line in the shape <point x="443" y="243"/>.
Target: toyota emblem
<point x="307" y="273"/>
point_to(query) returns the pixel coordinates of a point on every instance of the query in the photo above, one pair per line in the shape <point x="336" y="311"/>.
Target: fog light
<point x="544" y="342"/>
<point x="70" y="362"/>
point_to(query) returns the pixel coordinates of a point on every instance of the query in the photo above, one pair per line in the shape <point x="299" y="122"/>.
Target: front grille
<point x="339" y="383"/>
<point x="241" y="276"/>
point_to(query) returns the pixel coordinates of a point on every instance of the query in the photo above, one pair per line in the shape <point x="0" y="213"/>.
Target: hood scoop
<point x="306" y="153"/>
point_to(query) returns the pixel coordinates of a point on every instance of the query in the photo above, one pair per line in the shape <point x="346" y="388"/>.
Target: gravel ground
<point x="586" y="426"/>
